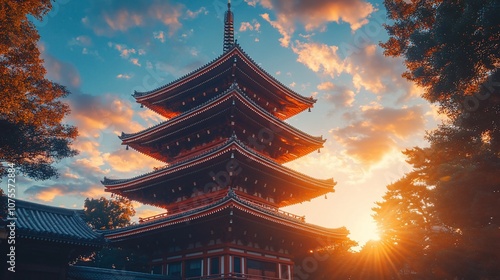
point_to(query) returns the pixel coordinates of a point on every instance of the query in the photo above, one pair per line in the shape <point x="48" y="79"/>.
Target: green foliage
<point x="31" y="112"/>
<point x="450" y="47"/>
<point x="106" y="213"/>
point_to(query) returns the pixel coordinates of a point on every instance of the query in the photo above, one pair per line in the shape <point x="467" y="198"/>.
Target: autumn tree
<point x="106" y="213"/>
<point x="452" y="50"/>
<point x="31" y="110"/>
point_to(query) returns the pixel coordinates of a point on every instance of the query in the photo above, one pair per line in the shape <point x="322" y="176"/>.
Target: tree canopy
<point x="444" y="215"/>
<point x="31" y="110"/>
<point x="450" y="47"/>
<point x="106" y="213"/>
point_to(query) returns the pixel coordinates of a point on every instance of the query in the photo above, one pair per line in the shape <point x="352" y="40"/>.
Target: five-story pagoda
<point x="224" y="144"/>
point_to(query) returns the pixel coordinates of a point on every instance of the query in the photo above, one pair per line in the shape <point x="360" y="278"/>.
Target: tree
<point x="404" y="218"/>
<point x="106" y="213"/>
<point x="452" y="50"/>
<point x="31" y="110"/>
<point x="450" y="47"/>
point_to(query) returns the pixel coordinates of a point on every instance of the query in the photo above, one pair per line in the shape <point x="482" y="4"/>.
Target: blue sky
<point x="104" y="50"/>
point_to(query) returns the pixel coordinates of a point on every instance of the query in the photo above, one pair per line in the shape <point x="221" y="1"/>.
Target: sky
<point x="329" y="49"/>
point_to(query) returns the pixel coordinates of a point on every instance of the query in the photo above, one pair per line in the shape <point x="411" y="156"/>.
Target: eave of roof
<point x="230" y="145"/>
<point x="96" y="273"/>
<point x="230" y="200"/>
<point x="55" y="224"/>
<point x="234" y="90"/>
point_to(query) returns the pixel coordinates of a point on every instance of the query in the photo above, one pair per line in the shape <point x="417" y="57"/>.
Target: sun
<point x="367" y="231"/>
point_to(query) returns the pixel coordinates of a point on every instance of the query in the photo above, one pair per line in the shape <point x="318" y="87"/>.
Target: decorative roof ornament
<point x="228" y="28"/>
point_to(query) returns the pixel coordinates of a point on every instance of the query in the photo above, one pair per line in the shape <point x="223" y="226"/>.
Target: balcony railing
<point x="204" y="200"/>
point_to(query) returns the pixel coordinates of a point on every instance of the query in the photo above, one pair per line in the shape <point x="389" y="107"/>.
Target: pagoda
<point x="223" y="183"/>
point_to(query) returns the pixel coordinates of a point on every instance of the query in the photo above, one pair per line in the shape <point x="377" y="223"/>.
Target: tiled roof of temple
<point x="54" y="224"/>
<point x="94" y="273"/>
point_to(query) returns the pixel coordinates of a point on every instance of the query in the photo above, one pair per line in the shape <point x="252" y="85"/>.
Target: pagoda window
<point x="237" y="265"/>
<point x="194" y="268"/>
<point x="261" y="268"/>
<point x="285" y="271"/>
<point x="157" y="269"/>
<point x="214" y="266"/>
<point x="174" y="269"/>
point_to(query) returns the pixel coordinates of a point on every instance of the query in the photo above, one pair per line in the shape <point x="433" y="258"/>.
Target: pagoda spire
<point x="228" y="28"/>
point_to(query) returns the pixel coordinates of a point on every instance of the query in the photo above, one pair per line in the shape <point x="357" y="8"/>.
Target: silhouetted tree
<point x="31" y="112"/>
<point x="106" y="213"/>
<point x="452" y="50"/>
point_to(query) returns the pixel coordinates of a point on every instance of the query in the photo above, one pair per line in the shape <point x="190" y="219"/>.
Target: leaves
<point x="450" y="47"/>
<point x="106" y="213"/>
<point x="444" y="216"/>
<point x="31" y="109"/>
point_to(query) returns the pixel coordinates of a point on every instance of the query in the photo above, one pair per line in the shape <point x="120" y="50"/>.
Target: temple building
<point x="223" y="182"/>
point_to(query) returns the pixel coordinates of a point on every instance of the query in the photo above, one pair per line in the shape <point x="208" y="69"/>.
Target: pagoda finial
<point x="228" y="28"/>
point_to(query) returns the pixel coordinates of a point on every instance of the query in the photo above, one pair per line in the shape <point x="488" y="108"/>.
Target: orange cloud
<point x="285" y="27"/>
<point x="319" y="57"/>
<point x="94" y="114"/>
<point x="373" y="71"/>
<point x="127" y="161"/>
<point x="376" y="131"/>
<point x="254" y="25"/>
<point x="314" y="14"/>
<point x="120" y="16"/>
<point x="123" y="19"/>
<point x="48" y="194"/>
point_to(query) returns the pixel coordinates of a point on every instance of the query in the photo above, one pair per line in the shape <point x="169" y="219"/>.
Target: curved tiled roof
<point x="210" y="103"/>
<point x="55" y="224"/>
<point x="214" y="63"/>
<point x="231" y="199"/>
<point x="212" y="153"/>
<point x="95" y="273"/>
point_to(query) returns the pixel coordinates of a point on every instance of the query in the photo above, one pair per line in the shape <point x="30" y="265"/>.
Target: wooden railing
<point x="205" y="199"/>
<point x="275" y="210"/>
<point x="189" y="205"/>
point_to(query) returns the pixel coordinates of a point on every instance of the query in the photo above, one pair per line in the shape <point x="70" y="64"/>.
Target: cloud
<point x="160" y="35"/>
<point x="369" y="68"/>
<point x="122" y="19"/>
<point x="314" y="14"/>
<point x="376" y="131"/>
<point x="339" y="96"/>
<point x="254" y="25"/>
<point x="124" y="160"/>
<point x="373" y="71"/>
<point x="151" y="117"/>
<point x="93" y="114"/>
<point x="124" y="51"/>
<point x="195" y="14"/>
<point x="81" y="40"/>
<point x="59" y="71"/>
<point x="107" y="18"/>
<point x="135" y="61"/>
<point x="285" y="27"/>
<point x="319" y="58"/>
<point x="124" y="76"/>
